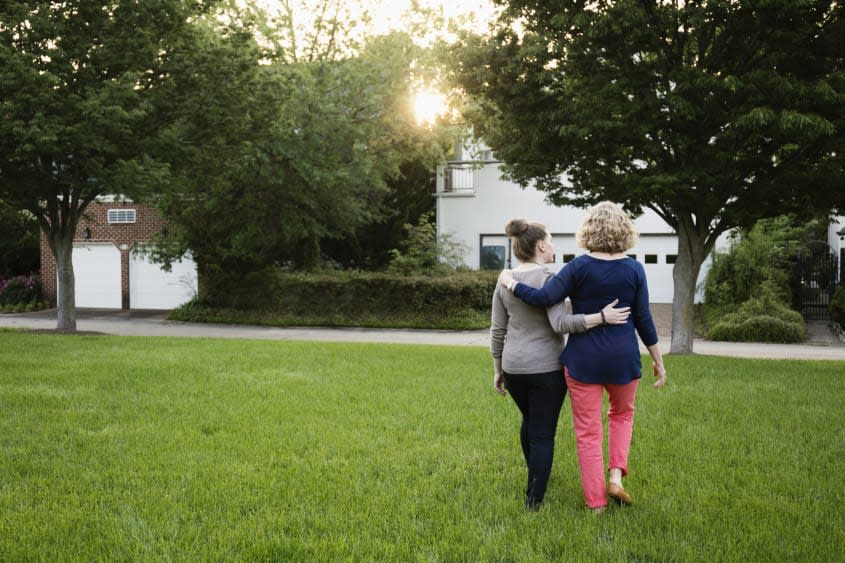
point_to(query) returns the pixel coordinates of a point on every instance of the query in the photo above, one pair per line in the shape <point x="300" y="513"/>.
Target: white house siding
<point x="476" y="211"/>
<point x="837" y="241"/>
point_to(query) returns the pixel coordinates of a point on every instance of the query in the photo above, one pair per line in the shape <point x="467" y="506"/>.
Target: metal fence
<point x="817" y="278"/>
<point x="458" y="178"/>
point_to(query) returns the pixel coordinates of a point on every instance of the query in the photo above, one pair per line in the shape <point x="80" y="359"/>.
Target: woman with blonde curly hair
<point x="526" y="342"/>
<point x="605" y="358"/>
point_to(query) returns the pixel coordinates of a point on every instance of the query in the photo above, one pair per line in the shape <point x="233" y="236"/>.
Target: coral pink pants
<point x="586" y="400"/>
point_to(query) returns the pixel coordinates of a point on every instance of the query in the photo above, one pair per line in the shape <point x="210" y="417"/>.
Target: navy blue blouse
<point x="606" y="354"/>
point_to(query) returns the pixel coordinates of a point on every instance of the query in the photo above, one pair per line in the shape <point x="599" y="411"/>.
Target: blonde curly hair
<point x="606" y="228"/>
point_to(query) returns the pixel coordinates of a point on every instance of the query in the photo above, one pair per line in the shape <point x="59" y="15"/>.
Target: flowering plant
<point x="20" y="289"/>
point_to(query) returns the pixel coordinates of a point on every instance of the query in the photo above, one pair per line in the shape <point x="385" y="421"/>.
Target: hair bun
<point x="516" y="227"/>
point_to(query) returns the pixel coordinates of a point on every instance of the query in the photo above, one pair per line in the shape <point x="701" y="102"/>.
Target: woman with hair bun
<point x="525" y="344"/>
<point x="605" y="360"/>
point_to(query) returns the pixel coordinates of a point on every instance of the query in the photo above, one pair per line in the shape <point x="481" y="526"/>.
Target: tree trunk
<point x="308" y="253"/>
<point x="691" y="255"/>
<point x="63" y="250"/>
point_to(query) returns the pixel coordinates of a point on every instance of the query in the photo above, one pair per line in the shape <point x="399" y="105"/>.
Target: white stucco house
<point x="474" y="203"/>
<point x="836" y="239"/>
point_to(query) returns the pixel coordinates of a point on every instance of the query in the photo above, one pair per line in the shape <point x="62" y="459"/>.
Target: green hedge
<point x="459" y="300"/>
<point x="761" y="319"/>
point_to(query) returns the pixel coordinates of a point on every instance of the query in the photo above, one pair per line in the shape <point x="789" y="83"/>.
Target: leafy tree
<point x="75" y="79"/>
<point x="408" y="198"/>
<point x="763" y="258"/>
<point x="272" y="153"/>
<point x="713" y="114"/>
<point x="19" y="244"/>
<point x="218" y="106"/>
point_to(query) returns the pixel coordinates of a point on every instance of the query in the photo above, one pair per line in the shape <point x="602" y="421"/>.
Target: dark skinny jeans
<point x="539" y="397"/>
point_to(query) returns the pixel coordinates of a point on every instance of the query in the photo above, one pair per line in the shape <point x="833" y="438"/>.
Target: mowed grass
<point x="152" y="449"/>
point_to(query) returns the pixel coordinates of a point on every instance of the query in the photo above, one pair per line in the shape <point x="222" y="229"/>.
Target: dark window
<point x="634" y="256"/>
<point x="671" y="258"/>
<point x="492" y="257"/>
<point x="568" y="258"/>
<point x="651" y="258"/>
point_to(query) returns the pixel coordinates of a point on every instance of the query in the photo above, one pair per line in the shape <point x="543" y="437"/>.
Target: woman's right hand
<point x="616" y="315"/>
<point x="499" y="383"/>
<point x="505" y="278"/>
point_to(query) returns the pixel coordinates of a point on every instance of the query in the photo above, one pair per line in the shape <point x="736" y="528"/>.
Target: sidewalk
<point x="822" y="345"/>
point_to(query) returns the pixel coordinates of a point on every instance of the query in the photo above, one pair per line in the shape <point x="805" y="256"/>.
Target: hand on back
<point x="614" y="315"/>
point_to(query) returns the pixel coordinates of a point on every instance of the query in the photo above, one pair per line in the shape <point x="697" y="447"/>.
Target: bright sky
<point x="387" y="15"/>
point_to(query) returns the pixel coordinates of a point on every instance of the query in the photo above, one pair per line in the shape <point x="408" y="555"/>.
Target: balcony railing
<point x="458" y="178"/>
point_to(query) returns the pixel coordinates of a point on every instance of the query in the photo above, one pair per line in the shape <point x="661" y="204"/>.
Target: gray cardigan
<point x="529" y="339"/>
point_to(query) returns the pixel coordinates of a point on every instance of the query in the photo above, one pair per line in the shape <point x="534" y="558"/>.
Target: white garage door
<point x="96" y="269"/>
<point x="657" y="254"/>
<point x="150" y="287"/>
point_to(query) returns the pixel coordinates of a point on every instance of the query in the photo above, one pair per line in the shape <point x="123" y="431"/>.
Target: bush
<point x="20" y="290"/>
<point x="766" y="253"/>
<point x="341" y="298"/>
<point x="422" y="253"/>
<point x="760" y="328"/>
<point x="837" y="306"/>
<point x="761" y="319"/>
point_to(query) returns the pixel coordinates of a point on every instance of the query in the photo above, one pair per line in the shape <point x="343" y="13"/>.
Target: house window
<point x="492" y="257"/>
<point x="651" y="258"/>
<point x="671" y="258"/>
<point x="121" y="215"/>
<point x="634" y="256"/>
<point x="567" y="258"/>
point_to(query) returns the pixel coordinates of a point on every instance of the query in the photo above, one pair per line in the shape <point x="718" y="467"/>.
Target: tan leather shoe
<point x="617" y="493"/>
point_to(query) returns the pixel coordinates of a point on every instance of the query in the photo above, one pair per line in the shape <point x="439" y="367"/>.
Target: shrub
<point x="837" y="306"/>
<point x="766" y="253"/>
<point x="422" y="253"/>
<point x="351" y="293"/>
<point x="759" y="328"/>
<point x="764" y="318"/>
<point x="20" y="289"/>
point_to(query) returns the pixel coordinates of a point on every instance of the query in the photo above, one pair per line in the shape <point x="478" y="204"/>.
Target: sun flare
<point x="428" y="106"/>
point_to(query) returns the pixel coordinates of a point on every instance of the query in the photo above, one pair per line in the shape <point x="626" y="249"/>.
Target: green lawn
<point x="150" y="449"/>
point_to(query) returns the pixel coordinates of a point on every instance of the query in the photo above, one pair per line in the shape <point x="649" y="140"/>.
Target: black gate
<point x="817" y="276"/>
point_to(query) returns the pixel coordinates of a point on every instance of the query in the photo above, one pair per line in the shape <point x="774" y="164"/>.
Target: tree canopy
<point x="257" y="140"/>
<point x="713" y="114"/>
<point x="272" y="155"/>
<point x="74" y="79"/>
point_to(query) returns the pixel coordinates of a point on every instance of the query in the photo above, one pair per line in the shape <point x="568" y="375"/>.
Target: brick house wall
<point x="94" y="227"/>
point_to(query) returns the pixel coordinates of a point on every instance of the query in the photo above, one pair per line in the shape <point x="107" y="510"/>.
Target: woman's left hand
<point x="659" y="373"/>
<point x="616" y="315"/>
<point x="499" y="384"/>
